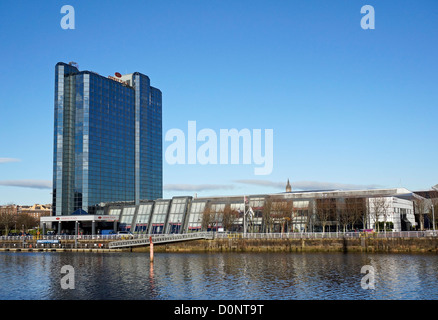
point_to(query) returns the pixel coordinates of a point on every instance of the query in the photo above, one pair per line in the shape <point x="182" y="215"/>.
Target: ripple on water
<point x="219" y="276"/>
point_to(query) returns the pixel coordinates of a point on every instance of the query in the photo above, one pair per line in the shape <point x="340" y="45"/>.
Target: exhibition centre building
<point x="290" y="211"/>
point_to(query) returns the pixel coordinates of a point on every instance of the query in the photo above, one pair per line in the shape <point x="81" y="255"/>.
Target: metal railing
<point x="291" y="235"/>
<point x="161" y="238"/>
<point x="74" y="237"/>
<point x="327" y="235"/>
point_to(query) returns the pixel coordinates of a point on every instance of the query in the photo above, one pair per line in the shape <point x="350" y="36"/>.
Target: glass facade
<point x="288" y="212"/>
<point x="215" y="216"/>
<point x="107" y="140"/>
<point x="159" y="216"/>
<point x="194" y="223"/>
<point x="256" y="218"/>
<point x="115" y="211"/>
<point x="177" y="215"/>
<point x="126" y="218"/>
<point x="143" y="217"/>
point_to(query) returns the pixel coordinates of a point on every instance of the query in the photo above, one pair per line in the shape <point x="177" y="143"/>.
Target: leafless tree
<point x="207" y="218"/>
<point x="385" y="213"/>
<point x="432" y="210"/>
<point x="420" y="207"/>
<point x="325" y="210"/>
<point x="229" y="217"/>
<point x="281" y="212"/>
<point x="344" y="213"/>
<point x="307" y="214"/>
<point x="355" y="210"/>
<point x="361" y="211"/>
<point x="8" y="215"/>
<point x="379" y="206"/>
<point x="26" y="221"/>
<point x="267" y="217"/>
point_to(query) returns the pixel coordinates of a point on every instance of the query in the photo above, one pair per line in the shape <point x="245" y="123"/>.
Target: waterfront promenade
<point x="406" y="241"/>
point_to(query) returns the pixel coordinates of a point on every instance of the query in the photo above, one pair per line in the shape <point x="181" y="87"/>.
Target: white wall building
<point x="391" y="209"/>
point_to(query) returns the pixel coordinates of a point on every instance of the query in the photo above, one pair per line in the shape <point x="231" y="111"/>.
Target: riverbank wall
<point x="57" y="250"/>
<point x="346" y="244"/>
<point x="406" y="245"/>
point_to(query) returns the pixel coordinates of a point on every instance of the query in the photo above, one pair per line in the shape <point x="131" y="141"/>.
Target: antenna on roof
<point x="74" y="64"/>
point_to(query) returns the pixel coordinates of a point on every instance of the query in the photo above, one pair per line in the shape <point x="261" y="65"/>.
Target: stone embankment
<point x="406" y="245"/>
<point x="346" y="244"/>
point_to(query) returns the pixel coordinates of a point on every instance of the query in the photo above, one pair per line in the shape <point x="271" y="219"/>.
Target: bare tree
<point x="282" y="213"/>
<point x="266" y="214"/>
<point x="355" y="210"/>
<point x="229" y="217"/>
<point x="325" y="210"/>
<point x="309" y="215"/>
<point x="297" y="217"/>
<point x="378" y="205"/>
<point x="431" y="213"/>
<point x="385" y="213"/>
<point x="343" y="214"/>
<point x="420" y="207"/>
<point x="321" y="213"/>
<point x="381" y="208"/>
<point x="368" y="217"/>
<point x="207" y="218"/>
<point x="26" y="221"/>
<point x="8" y="215"/>
<point x="361" y="211"/>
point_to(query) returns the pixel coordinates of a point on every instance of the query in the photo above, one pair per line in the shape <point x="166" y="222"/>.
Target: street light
<point x="23" y="234"/>
<point x="76" y="233"/>
<point x="435" y="187"/>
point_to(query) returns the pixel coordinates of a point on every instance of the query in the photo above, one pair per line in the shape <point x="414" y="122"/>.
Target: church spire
<point x="288" y="187"/>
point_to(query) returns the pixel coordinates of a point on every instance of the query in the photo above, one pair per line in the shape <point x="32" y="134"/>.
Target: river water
<point x="217" y="276"/>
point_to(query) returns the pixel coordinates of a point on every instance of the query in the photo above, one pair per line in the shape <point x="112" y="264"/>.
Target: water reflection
<point x="217" y="276"/>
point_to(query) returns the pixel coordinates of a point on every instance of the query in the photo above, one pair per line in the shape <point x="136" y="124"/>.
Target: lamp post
<point x="244" y="213"/>
<point x="433" y="209"/>
<point x="245" y="202"/>
<point x="76" y="233"/>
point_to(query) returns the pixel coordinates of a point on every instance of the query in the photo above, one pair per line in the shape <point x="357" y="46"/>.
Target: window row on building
<point x="285" y="212"/>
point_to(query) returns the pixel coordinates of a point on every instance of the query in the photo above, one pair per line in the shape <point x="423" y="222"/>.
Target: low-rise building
<point x="290" y="211"/>
<point x="36" y="210"/>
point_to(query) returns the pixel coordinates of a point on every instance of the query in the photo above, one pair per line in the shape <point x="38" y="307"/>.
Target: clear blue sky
<point x="349" y="107"/>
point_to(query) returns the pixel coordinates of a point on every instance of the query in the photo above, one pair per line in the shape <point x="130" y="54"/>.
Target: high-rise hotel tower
<point x="107" y="140"/>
